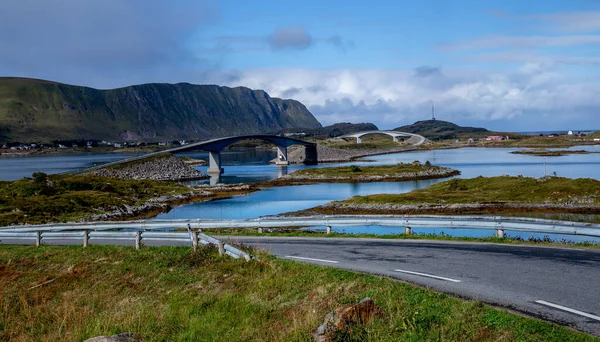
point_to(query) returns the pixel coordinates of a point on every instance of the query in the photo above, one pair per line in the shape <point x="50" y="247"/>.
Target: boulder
<point x="124" y="337"/>
<point x="339" y="319"/>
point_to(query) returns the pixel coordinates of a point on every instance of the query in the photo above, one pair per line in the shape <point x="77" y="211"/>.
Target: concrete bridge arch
<point x="394" y="134"/>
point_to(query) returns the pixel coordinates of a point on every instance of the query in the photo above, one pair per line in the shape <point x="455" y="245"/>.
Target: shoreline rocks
<point x="167" y="167"/>
<point x="462" y="208"/>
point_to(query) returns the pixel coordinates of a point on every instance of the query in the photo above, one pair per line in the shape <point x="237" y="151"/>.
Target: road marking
<point x="311" y="259"/>
<point x="429" y="276"/>
<point x="564" y="308"/>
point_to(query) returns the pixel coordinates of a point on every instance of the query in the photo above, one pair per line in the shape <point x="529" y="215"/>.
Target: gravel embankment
<point x="168" y="168"/>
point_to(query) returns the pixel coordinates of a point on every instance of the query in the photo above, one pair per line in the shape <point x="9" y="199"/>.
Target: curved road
<point x="557" y="284"/>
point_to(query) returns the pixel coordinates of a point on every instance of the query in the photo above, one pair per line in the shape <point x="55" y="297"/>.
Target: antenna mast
<point x="432" y="112"/>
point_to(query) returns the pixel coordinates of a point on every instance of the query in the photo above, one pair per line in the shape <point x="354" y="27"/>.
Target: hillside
<point x="438" y="129"/>
<point x="37" y="110"/>
<point x="337" y="129"/>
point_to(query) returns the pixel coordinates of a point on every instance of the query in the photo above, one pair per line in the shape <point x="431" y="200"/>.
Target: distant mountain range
<point x="36" y="110"/>
<point x="438" y="129"/>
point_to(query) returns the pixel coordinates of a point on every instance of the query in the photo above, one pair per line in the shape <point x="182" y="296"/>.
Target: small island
<point x="360" y="174"/>
<point x="481" y="195"/>
<point x="549" y="153"/>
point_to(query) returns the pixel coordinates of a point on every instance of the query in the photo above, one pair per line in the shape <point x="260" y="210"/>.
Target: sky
<point x="509" y="65"/>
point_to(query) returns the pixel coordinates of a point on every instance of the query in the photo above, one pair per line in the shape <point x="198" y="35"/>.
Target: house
<point x="494" y="138"/>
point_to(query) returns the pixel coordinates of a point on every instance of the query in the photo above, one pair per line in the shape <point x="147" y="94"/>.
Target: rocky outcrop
<point x="167" y="167"/>
<point x="163" y="203"/>
<point x="339" y="320"/>
<point x="124" y="337"/>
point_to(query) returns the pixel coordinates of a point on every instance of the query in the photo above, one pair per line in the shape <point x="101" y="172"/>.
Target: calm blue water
<point x="251" y="166"/>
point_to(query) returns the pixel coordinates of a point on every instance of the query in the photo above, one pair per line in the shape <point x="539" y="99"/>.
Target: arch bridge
<point x="394" y="134"/>
<point x="215" y="146"/>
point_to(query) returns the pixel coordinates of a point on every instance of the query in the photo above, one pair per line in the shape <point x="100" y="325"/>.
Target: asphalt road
<point x="545" y="282"/>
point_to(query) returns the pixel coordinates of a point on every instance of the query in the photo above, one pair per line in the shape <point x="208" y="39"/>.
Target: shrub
<point x="355" y="168"/>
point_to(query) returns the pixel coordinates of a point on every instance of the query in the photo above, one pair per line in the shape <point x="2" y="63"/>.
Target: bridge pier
<point x="358" y="140"/>
<point x="311" y="156"/>
<point x="214" y="162"/>
<point x="395" y="139"/>
<point x="282" y="155"/>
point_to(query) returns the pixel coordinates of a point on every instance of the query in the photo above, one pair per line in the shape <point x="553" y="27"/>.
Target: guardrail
<point x="500" y="224"/>
<point x="137" y="238"/>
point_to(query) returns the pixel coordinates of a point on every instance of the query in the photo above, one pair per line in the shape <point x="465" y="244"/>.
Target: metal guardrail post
<point x="221" y="248"/>
<point x="38" y="238"/>
<point x="138" y="239"/>
<point x="86" y="237"/>
<point x="195" y="240"/>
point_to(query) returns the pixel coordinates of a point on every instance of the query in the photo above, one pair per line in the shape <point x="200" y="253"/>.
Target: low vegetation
<point x="550" y="153"/>
<point x="174" y="294"/>
<point x="58" y="198"/>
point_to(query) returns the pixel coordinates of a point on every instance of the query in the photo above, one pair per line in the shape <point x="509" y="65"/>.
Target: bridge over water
<point x="215" y="146"/>
<point x="394" y="134"/>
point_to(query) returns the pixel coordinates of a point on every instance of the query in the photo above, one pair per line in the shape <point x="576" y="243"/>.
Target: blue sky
<point x="505" y="65"/>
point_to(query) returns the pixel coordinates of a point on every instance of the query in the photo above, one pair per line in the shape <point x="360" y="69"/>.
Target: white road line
<point x="564" y="308"/>
<point x="311" y="259"/>
<point x="429" y="276"/>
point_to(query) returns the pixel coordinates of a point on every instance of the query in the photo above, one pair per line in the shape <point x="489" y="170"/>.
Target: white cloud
<point x="390" y="98"/>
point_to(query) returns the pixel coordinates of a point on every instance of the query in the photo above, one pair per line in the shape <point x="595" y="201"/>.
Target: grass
<point x="548" y="153"/>
<point x="59" y="198"/>
<point x="174" y="294"/>
<point x="503" y="189"/>
<point x="414" y="170"/>
<point x="371" y="141"/>
<point x="418" y="236"/>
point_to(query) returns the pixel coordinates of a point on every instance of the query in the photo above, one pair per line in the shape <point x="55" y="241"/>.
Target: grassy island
<point x="355" y="174"/>
<point x="174" y="294"/>
<point x="481" y="195"/>
<point x="57" y="198"/>
<point x="550" y="153"/>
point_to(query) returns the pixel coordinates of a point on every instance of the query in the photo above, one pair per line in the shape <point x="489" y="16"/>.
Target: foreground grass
<point x="58" y="198"/>
<point x="174" y="294"/>
<point x="504" y="189"/>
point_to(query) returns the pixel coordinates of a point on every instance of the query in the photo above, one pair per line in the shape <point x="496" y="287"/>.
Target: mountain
<point x="37" y="110"/>
<point x="337" y="129"/>
<point x="438" y="129"/>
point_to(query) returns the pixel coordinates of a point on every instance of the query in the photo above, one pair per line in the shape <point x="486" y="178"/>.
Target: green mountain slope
<point x="438" y="129"/>
<point x="36" y="110"/>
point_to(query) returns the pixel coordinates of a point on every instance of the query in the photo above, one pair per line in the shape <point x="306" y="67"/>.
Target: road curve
<point x="556" y="284"/>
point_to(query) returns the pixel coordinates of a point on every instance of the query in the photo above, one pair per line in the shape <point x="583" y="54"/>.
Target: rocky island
<point x="360" y="174"/>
